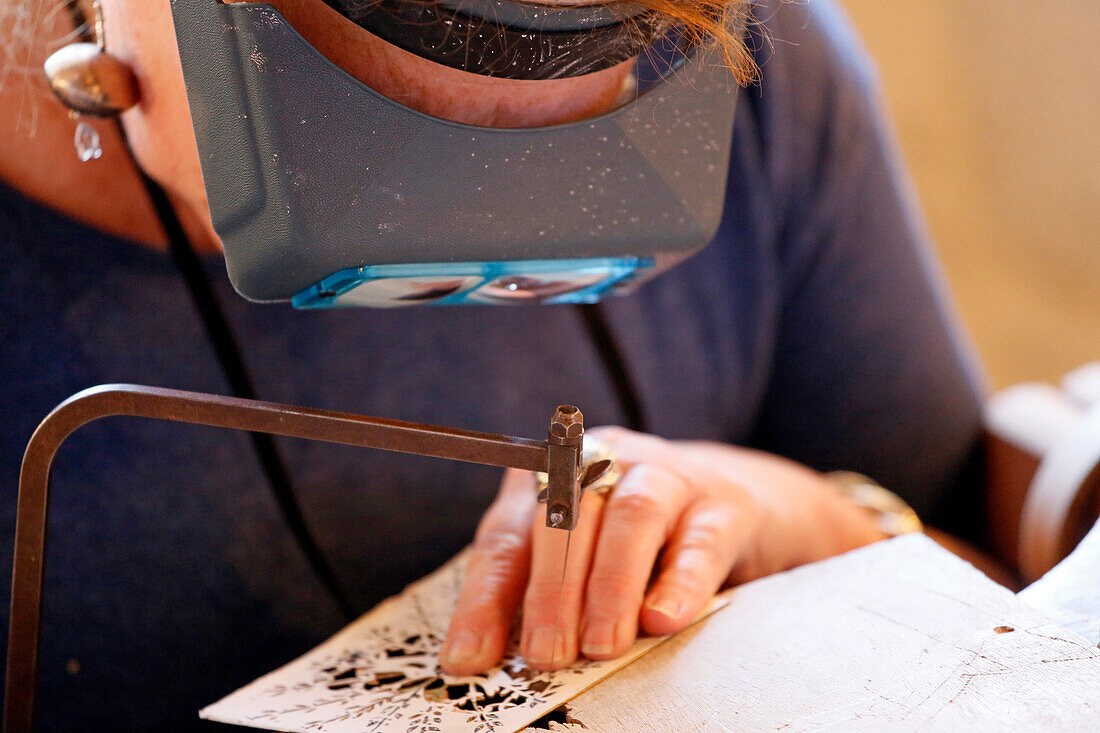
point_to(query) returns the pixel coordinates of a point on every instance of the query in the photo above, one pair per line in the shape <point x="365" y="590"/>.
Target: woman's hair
<point x="718" y="23"/>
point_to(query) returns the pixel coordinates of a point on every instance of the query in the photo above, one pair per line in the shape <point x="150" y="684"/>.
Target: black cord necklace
<point x="240" y="383"/>
<point x="236" y="372"/>
<point x="229" y="357"/>
<point x="618" y="370"/>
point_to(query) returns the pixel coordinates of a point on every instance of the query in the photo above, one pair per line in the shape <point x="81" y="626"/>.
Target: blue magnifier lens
<point x="394" y="292"/>
<point x="518" y="282"/>
<point x="536" y="288"/>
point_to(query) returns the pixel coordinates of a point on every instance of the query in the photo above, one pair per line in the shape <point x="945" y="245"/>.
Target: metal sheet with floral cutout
<point x="381" y="674"/>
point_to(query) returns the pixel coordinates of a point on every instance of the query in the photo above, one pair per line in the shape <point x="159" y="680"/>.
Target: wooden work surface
<point x="900" y="635"/>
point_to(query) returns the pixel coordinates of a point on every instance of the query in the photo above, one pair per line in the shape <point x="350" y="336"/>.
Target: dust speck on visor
<point x="326" y="193"/>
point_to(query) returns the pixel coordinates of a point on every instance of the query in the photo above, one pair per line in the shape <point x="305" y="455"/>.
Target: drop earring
<point x="90" y="81"/>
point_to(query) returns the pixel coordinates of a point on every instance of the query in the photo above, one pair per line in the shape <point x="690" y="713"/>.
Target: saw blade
<point x="561" y="597"/>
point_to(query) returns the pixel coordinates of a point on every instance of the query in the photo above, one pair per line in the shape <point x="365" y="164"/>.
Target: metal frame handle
<point x="238" y="414"/>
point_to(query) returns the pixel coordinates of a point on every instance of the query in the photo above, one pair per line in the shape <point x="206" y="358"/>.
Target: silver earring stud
<point x="90" y="81"/>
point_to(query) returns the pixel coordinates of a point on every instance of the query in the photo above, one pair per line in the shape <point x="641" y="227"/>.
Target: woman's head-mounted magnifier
<point x="326" y="193"/>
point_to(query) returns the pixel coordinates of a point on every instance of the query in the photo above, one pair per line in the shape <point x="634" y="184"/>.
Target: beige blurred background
<point x="997" y="105"/>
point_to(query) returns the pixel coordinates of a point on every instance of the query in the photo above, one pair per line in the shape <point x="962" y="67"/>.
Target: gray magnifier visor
<point x="318" y="186"/>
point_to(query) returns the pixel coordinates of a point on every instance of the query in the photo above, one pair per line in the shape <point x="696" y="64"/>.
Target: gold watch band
<point x="895" y="517"/>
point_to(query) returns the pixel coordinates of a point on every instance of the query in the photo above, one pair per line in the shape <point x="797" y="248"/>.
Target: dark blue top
<point x="813" y="327"/>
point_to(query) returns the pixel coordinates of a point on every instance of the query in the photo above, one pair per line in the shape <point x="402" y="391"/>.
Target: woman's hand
<point x="704" y="515"/>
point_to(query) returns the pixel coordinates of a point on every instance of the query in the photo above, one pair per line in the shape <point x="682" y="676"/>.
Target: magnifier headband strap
<point x="513" y="40"/>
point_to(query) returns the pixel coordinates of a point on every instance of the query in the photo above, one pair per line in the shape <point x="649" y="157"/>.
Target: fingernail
<point x="464" y="647"/>
<point x="546" y="645"/>
<point x="598" y="640"/>
<point x="668" y="606"/>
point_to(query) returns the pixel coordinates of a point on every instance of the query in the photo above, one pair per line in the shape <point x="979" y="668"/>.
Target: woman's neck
<point x="38" y="158"/>
<point x="40" y="162"/>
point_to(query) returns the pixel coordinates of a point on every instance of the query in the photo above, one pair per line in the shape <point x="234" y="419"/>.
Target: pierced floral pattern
<point x="381" y="674"/>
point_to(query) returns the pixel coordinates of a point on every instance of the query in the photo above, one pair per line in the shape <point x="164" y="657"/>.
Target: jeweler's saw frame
<point x="559" y="456"/>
